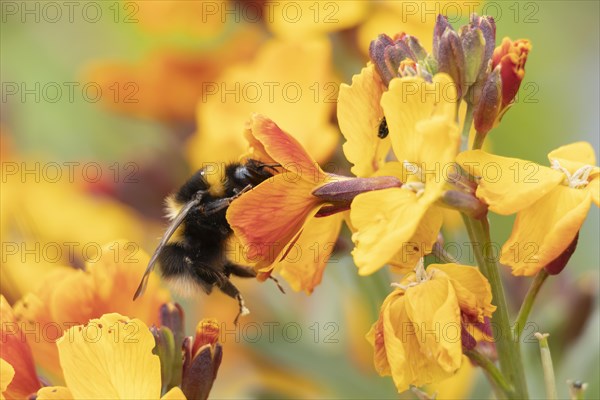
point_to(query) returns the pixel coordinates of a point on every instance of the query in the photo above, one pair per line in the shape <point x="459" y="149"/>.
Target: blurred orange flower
<point x="28" y="224"/>
<point x="288" y="79"/>
<point x="18" y="378"/>
<point x="70" y="297"/>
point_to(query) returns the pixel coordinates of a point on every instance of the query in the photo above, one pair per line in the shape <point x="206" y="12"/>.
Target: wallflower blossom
<point x="417" y="338"/>
<point x="425" y="139"/>
<point x="551" y="202"/>
<point x="73" y="296"/>
<point x="278" y="214"/>
<point x="117" y="364"/>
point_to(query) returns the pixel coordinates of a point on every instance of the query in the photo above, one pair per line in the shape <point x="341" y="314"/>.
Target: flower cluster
<point x="402" y="119"/>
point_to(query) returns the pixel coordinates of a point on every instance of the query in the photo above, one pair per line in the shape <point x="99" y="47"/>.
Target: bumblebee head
<point x="253" y="172"/>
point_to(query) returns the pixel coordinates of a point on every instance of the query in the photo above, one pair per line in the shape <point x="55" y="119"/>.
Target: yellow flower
<point x="288" y="79"/>
<point x="109" y="358"/>
<point x="551" y="202"/>
<point x="44" y="237"/>
<point x="403" y="222"/>
<point x="303" y="18"/>
<point x="276" y="220"/>
<point x="417" y="338"/>
<point x="72" y="296"/>
<point x="18" y="378"/>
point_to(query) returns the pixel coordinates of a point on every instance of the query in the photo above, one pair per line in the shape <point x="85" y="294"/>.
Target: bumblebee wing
<point x="165" y="239"/>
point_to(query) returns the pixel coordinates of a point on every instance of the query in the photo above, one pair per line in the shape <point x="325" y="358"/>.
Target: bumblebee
<point x="191" y="253"/>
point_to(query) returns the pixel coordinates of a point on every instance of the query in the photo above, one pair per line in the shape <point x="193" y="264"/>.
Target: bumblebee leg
<point x="247" y="272"/>
<point x="221" y="204"/>
<point x="230" y="290"/>
<point x="239" y="270"/>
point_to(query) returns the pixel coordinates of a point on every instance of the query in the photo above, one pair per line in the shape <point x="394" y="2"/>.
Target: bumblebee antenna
<point x="169" y="232"/>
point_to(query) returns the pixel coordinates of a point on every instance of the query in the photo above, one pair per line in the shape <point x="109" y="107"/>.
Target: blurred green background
<point x="558" y="103"/>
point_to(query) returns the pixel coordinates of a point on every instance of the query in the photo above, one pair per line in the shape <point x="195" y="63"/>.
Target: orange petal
<point x="359" y="115"/>
<point x="268" y="217"/>
<point x="285" y="150"/>
<point x="304" y="264"/>
<point x="545" y="229"/>
<point x="16" y="352"/>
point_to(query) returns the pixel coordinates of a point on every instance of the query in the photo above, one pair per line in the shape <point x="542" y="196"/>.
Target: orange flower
<point x="270" y="220"/>
<point x="72" y="297"/>
<point x="15" y="354"/>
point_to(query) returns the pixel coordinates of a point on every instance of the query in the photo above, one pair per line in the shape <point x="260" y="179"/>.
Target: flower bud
<point x="559" y="263"/>
<point x="171" y="316"/>
<point x="473" y="44"/>
<point x="415" y="47"/>
<point x="451" y="59"/>
<point x="511" y="57"/>
<point x="441" y="24"/>
<point x="377" y="55"/>
<point x="202" y="358"/>
<point x="487" y="109"/>
<point x="487" y="25"/>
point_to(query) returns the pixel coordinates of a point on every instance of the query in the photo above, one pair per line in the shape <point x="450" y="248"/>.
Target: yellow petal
<point x="174" y="394"/>
<point x="110" y="358"/>
<point x="384" y="220"/>
<point x="392" y="17"/>
<point x="54" y="393"/>
<point x="594" y="188"/>
<point x="508" y="185"/>
<point x="472" y="289"/>
<point x="545" y="229"/>
<point x="579" y="152"/>
<point x="289" y="80"/>
<point x="302" y="19"/>
<point x="359" y="116"/>
<point x="421" y="241"/>
<point x="433" y="307"/>
<point x="7" y="373"/>
<point x="304" y="264"/>
<point x="408" y="104"/>
<point x="269" y="217"/>
<point x="376" y="338"/>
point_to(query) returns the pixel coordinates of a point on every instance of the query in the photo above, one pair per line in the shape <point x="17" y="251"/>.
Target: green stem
<point x="439" y="252"/>
<point x="501" y="387"/>
<point x="549" y="379"/>
<point x="468" y="122"/>
<point x="535" y="287"/>
<point x="509" y="351"/>
<point x="478" y="141"/>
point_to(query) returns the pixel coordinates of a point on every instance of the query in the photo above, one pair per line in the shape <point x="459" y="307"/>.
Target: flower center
<point x="416" y="186"/>
<point x="577" y="180"/>
<point x="421" y="276"/>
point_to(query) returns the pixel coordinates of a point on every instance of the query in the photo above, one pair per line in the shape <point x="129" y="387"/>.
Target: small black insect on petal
<point x="383" y="129"/>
